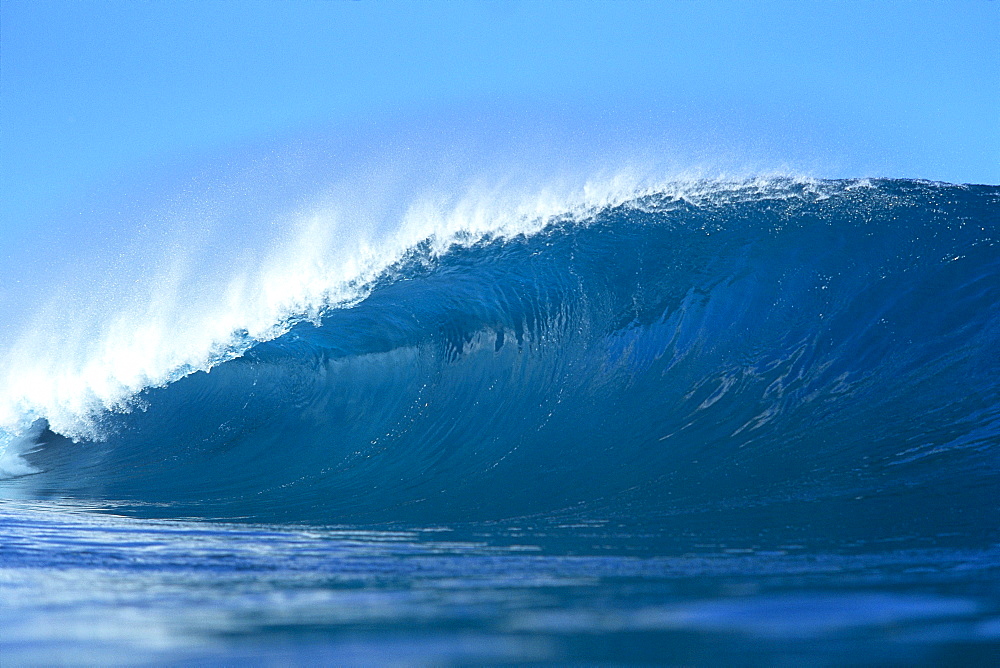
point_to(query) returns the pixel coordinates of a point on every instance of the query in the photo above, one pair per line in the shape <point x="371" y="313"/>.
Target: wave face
<point x="821" y="353"/>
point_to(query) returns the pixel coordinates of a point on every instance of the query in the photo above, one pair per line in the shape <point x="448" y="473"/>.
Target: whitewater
<point x="417" y="416"/>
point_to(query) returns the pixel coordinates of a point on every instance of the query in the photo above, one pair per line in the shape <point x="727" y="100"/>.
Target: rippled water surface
<point x="85" y="587"/>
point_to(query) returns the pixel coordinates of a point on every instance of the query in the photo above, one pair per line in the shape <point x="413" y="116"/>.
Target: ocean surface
<point x="747" y="422"/>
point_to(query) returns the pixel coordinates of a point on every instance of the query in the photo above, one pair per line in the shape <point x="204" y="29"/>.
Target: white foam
<point x="14" y="448"/>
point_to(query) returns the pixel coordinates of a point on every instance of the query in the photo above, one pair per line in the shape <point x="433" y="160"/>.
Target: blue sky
<point x="91" y="91"/>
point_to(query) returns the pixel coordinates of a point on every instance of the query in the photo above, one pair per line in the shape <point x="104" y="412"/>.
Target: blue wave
<point x="822" y="355"/>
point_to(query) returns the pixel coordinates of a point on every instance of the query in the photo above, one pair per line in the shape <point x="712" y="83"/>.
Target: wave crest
<point x="723" y="346"/>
